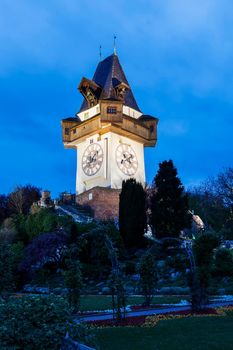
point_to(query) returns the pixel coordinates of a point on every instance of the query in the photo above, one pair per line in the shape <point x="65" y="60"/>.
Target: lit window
<point x="111" y="110"/>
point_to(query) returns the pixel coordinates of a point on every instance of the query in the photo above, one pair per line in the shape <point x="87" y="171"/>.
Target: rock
<point x="28" y="288"/>
<point x="135" y="277"/>
<point x="101" y="284"/>
<point x="161" y="263"/>
<point x="175" y="275"/>
<point x="221" y="291"/>
<point x="129" y="290"/>
<point x="42" y="290"/>
<point x="106" y="290"/>
<point x="161" y="281"/>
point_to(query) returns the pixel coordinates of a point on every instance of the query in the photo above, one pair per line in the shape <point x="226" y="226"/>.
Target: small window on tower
<point x="111" y="110"/>
<point x="67" y="131"/>
<point x="74" y="131"/>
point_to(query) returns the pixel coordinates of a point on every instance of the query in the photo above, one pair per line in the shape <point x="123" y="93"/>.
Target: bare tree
<point x="21" y="199"/>
<point x="224" y="186"/>
<point x="16" y="200"/>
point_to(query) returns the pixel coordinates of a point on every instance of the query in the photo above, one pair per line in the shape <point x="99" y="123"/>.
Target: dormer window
<point x="67" y="131"/>
<point x="111" y="110"/>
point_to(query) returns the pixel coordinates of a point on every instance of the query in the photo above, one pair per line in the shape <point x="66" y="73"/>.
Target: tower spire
<point x="114" y="44"/>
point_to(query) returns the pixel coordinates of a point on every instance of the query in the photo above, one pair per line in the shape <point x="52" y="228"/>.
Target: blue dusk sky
<point x="177" y="56"/>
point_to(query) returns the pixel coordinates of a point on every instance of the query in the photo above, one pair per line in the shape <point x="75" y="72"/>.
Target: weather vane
<point x="100" y="52"/>
<point x="114" y="44"/>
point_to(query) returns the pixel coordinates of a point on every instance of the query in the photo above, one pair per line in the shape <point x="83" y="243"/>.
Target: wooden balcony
<point x="74" y="133"/>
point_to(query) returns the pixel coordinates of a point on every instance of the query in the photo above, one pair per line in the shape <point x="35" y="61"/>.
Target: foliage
<point x="209" y="207"/>
<point x="10" y="256"/>
<point x="203" y="249"/>
<point x="19" y="225"/>
<point x="148" y="276"/>
<point x="118" y="295"/>
<point x="4" y="208"/>
<point x="45" y="220"/>
<point x="132" y="213"/>
<point x="213" y="202"/>
<point x="90" y="246"/>
<point x="130" y="267"/>
<point x="46" y="249"/>
<point x="73" y="281"/>
<point x="223" y="263"/>
<point x="168" y="203"/>
<point x="227" y="231"/>
<point x="8" y="232"/>
<point x="223" y="186"/>
<point x="37" y="323"/>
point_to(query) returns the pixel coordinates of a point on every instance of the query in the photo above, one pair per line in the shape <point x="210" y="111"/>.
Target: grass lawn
<point x="103" y="302"/>
<point x="197" y="333"/>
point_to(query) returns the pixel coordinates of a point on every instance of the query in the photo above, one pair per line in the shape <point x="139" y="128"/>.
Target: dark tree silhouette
<point x="168" y="203"/>
<point x="132" y="213"/>
<point x="4" y="208"/>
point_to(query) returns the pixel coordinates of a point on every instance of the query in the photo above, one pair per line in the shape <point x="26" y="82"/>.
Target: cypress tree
<point x="168" y="203"/>
<point x="132" y="213"/>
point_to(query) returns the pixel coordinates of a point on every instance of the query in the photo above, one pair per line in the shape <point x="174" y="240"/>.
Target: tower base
<point x="102" y="200"/>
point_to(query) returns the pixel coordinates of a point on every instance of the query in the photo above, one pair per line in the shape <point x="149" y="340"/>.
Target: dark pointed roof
<point x="108" y="75"/>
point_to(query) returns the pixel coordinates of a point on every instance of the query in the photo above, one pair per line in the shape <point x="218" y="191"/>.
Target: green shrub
<point x="37" y="323"/>
<point x="223" y="263"/>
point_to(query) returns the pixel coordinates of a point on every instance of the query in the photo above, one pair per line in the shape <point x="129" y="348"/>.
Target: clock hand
<point x="125" y="158"/>
<point x="129" y="158"/>
<point x="94" y="158"/>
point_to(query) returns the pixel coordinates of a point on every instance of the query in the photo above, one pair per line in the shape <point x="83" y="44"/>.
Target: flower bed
<point x="152" y="321"/>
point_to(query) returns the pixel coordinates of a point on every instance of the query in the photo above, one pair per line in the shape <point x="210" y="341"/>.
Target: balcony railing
<point x="127" y="126"/>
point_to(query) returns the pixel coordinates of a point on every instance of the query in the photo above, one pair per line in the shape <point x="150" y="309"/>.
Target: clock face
<point x="126" y="159"/>
<point x="92" y="159"/>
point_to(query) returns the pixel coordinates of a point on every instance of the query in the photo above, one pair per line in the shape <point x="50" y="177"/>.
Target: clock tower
<point x="109" y="133"/>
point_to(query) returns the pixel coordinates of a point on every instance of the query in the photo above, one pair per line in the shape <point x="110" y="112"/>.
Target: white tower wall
<point x="109" y="174"/>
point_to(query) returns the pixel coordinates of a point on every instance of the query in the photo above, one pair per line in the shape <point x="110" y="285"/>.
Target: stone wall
<point x="103" y="201"/>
